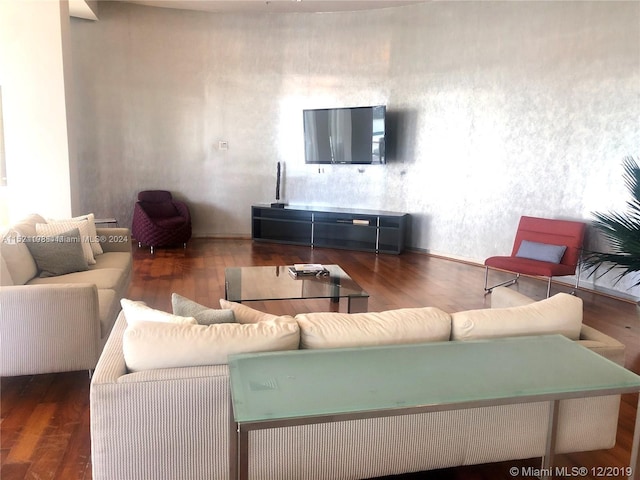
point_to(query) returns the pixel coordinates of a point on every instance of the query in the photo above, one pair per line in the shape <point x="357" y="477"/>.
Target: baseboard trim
<point x="585" y="285"/>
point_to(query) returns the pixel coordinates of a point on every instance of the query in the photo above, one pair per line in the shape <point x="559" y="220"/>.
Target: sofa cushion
<point x="58" y="227"/>
<point x="113" y="278"/>
<point x="59" y="254"/>
<point x="152" y="345"/>
<point x="19" y="261"/>
<point x="204" y="315"/>
<point x="135" y="311"/>
<point x="246" y="314"/>
<point x="405" y="325"/>
<point x="561" y="314"/>
<point x="27" y="226"/>
<point x="119" y="260"/>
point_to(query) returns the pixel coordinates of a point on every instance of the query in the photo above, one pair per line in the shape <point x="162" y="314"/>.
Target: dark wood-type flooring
<point x="45" y="418"/>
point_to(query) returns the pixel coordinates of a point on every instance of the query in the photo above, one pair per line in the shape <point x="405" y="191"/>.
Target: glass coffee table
<point x="252" y="284"/>
<point x="303" y="387"/>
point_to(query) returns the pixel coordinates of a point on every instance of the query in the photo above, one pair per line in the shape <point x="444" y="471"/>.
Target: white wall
<point x="498" y="109"/>
<point x="34" y="56"/>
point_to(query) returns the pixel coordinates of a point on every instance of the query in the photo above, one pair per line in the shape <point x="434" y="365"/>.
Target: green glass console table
<point x="280" y="389"/>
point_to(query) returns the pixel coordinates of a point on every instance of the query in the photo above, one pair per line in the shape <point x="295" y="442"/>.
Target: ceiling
<point x="81" y="9"/>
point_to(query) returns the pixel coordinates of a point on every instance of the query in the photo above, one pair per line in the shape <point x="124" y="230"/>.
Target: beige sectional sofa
<point x="162" y="414"/>
<point x="59" y="322"/>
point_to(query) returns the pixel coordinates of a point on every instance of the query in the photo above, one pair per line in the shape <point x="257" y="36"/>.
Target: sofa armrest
<point x="134" y="416"/>
<point x="183" y="209"/>
<point x="49" y="328"/>
<point x="114" y="239"/>
<point x="603" y="344"/>
<point x="111" y="365"/>
<point x="503" y="297"/>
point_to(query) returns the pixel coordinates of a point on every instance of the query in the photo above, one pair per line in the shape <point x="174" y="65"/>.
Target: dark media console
<point x="367" y="230"/>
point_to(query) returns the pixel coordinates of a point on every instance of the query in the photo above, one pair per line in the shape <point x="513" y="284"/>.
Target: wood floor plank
<point x="14" y="471"/>
<point x="48" y="457"/>
<point x="33" y="431"/>
<point x="76" y="463"/>
<point x="45" y="419"/>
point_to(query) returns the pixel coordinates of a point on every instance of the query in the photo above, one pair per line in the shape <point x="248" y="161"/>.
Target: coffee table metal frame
<point x="265" y="283"/>
<point x="627" y="382"/>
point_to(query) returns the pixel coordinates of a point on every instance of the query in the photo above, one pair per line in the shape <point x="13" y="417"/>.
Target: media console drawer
<point x="367" y="230"/>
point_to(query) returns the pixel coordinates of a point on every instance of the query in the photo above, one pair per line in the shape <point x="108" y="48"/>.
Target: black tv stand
<point x="367" y="230"/>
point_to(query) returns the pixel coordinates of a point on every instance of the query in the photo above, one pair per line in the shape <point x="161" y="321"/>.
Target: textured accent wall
<point x="496" y="109"/>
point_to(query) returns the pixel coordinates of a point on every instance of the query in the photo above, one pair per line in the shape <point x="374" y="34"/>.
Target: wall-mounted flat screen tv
<point x="345" y="135"/>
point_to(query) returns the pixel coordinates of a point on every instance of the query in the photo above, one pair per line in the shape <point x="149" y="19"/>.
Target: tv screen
<point x="345" y="135"/>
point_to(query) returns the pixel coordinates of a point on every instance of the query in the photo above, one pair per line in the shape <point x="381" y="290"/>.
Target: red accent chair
<point x="159" y="220"/>
<point x="538" y="239"/>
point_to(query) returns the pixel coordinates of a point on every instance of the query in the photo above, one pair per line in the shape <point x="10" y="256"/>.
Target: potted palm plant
<point x="622" y="231"/>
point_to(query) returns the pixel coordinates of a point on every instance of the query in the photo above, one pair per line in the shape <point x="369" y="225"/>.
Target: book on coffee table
<point x="307" y="269"/>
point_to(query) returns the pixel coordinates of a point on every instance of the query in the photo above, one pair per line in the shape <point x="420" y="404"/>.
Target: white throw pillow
<point x="57" y="227"/>
<point x="135" y="311"/>
<point x="561" y="314"/>
<point x="405" y="325"/>
<point x="246" y="314"/>
<point x="96" y="248"/>
<point x="152" y="345"/>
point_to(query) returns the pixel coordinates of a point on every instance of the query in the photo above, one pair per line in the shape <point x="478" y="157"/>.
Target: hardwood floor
<point x="45" y="418"/>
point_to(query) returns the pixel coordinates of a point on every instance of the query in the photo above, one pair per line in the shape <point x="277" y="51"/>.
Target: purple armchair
<point x="159" y="220"/>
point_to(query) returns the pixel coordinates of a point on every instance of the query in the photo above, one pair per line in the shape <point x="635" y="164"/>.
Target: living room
<point x="495" y="110"/>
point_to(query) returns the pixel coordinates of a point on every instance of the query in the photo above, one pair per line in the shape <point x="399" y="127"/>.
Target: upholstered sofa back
<point x="166" y="423"/>
<point x="258" y="331"/>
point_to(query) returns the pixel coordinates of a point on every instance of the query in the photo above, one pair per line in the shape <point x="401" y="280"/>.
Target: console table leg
<point x="243" y="454"/>
<point x="238" y="448"/>
<point x="550" y="450"/>
<point x="233" y="444"/>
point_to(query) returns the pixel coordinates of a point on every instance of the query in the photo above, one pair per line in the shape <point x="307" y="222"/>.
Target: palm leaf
<point x="622" y="231"/>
